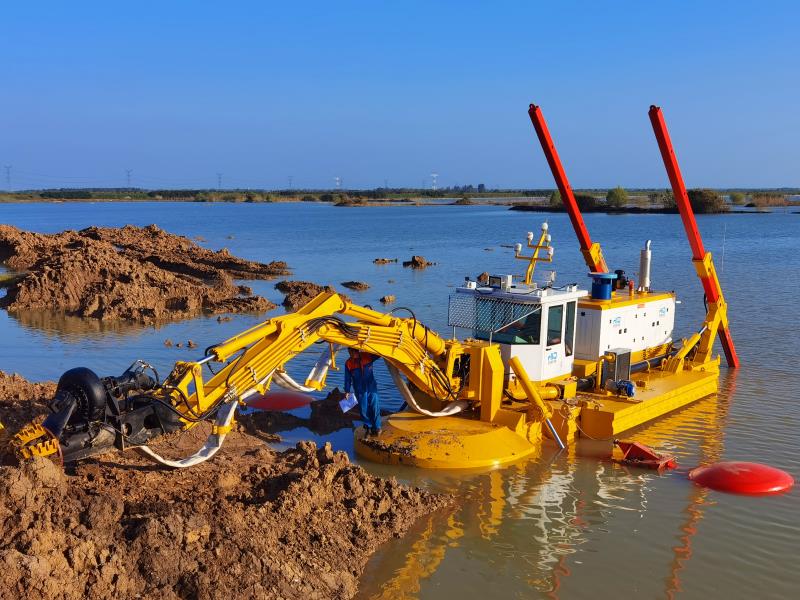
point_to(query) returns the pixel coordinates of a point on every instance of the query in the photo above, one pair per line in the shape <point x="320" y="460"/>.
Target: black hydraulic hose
<point x="646" y="364"/>
<point x="413" y="316"/>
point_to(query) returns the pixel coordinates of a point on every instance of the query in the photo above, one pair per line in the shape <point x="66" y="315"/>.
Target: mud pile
<point x="128" y="273"/>
<point x="358" y="286"/>
<point x="300" y="293"/>
<point x="20" y="402"/>
<point x="417" y="262"/>
<point x="250" y="523"/>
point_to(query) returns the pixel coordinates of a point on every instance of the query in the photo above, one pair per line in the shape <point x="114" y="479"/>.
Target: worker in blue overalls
<point x="359" y="375"/>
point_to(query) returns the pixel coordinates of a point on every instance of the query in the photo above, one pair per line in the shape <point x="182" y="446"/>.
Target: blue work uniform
<point x="358" y="374"/>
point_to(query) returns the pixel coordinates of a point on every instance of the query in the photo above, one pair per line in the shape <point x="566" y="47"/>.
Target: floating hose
<point x="452" y="408"/>
<point x="318" y="373"/>
<point x="284" y="380"/>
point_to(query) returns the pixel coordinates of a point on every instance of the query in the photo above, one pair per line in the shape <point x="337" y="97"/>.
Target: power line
<point x="8" y="177"/>
<point x="290" y="181"/>
<point x="219" y="181"/>
<point x="128" y="176"/>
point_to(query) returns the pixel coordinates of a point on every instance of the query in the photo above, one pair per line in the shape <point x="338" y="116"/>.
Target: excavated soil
<point x="250" y="523"/>
<point x="300" y="293"/>
<point x="20" y="402"/>
<point x="140" y="274"/>
<point x="418" y="262"/>
<point x="358" y="286"/>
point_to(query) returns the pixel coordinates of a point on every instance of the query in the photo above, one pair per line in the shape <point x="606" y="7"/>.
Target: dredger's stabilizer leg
<point x="535" y="398"/>
<point x="717" y="318"/>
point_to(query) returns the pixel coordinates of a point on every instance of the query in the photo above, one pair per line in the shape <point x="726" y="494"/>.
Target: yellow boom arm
<point x="255" y="355"/>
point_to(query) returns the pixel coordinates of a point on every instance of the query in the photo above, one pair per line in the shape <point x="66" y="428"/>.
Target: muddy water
<point x="568" y="525"/>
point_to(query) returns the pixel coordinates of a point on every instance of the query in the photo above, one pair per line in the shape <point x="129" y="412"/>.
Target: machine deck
<point x="607" y="416"/>
<point x="409" y="438"/>
<point x="458" y="442"/>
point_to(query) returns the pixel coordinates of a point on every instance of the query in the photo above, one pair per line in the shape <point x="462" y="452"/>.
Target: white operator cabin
<point x="535" y="324"/>
<point x="548" y="328"/>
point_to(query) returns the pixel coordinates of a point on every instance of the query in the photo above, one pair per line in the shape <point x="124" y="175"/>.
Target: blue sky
<point x="392" y="91"/>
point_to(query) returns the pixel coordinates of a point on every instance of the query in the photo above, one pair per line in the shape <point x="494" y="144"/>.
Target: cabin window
<point x="569" y="329"/>
<point x="524" y="331"/>
<point x="555" y="322"/>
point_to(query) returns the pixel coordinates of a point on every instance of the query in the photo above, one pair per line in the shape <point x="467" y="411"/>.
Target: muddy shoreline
<point x="251" y="522"/>
<point x="135" y="274"/>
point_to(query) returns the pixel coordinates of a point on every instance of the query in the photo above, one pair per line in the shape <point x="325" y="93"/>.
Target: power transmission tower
<point x="219" y="181"/>
<point x="8" y="177"/>
<point x="434" y="176"/>
<point x="290" y="181"/>
<point x="128" y="177"/>
<point x="338" y="181"/>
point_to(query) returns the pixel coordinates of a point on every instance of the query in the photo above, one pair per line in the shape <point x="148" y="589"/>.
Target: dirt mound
<point x="417" y="262"/>
<point x="358" y="286"/>
<point x="130" y="273"/>
<point x="250" y="523"/>
<point x="384" y="261"/>
<point x="20" y="402"/>
<point x="300" y="293"/>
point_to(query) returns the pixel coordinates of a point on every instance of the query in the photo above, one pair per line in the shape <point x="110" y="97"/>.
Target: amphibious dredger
<point x="540" y="362"/>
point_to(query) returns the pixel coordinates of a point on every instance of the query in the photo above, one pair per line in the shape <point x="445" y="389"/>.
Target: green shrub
<point x="585" y="201"/>
<point x="706" y="201"/>
<point x="616" y="197"/>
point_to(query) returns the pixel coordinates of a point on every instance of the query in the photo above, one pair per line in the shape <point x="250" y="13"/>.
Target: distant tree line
<point x="65" y="195"/>
<point x="702" y="201"/>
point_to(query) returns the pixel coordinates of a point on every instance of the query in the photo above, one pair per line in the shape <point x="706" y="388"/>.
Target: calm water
<point x="569" y="525"/>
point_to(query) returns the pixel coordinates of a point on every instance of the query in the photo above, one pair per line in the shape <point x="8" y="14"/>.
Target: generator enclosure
<point x="622" y="322"/>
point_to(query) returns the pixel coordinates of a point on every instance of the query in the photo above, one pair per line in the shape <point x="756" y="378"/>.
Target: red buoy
<point x="742" y="478"/>
<point x="279" y="401"/>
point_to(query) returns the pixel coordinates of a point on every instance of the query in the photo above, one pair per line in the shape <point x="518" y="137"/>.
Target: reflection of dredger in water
<point x="359" y="375"/>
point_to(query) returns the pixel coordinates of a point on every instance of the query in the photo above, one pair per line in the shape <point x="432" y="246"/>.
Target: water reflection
<point x="526" y="523"/>
<point x="61" y="325"/>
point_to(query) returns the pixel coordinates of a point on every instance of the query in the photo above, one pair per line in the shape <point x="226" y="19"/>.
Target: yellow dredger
<point x="540" y="361"/>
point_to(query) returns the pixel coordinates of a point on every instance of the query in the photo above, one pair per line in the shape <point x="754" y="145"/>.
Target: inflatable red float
<point x="279" y="401"/>
<point x="742" y="478"/>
